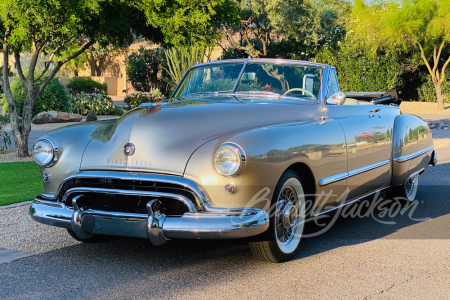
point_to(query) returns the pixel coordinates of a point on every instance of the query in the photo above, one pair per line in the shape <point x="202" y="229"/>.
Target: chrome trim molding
<point x="345" y="175"/>
<point x="368" y="168"/>
<point x="404" y="158"/>
<point x="415" y="173"/>
<point x="353" y="200"/>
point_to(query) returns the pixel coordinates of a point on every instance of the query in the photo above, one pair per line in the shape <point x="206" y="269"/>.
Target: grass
<point x="19" y="181"/>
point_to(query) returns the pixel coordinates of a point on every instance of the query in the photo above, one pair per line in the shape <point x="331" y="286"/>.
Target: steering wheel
<point x="301" y="90"/>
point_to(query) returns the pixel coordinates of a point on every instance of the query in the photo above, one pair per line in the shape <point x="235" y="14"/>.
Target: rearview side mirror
<point x="337" y="98"/>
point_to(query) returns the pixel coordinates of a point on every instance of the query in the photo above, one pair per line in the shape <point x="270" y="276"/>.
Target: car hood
<point x="165" y="138"/>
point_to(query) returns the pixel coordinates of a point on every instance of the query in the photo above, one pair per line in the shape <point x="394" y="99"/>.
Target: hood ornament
<point x="128" y="149"/>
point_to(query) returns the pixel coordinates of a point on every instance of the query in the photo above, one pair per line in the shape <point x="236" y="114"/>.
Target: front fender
<point x="270" y="151"/>
<point x="71" y="140"/>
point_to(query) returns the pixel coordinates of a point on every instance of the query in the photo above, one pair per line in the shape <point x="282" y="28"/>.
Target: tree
<point x="145" y="70"/>
<point x="423" y="24"/>
<point x="50" y="26"/>
<point x="258" y="19"/>
<point x="305" y="24"/>
<point x="99" y="57"/>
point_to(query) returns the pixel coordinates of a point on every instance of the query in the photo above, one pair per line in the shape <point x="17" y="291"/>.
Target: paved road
<point x="358" y="258"/>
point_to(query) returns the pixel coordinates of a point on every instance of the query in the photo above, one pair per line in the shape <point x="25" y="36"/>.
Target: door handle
<point x="375" y="110"/>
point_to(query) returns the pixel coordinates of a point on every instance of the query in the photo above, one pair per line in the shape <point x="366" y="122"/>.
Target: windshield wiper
<point x="208" y="93"/>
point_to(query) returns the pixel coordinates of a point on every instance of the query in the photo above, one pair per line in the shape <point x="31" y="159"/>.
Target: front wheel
<point x="286" y="221"/>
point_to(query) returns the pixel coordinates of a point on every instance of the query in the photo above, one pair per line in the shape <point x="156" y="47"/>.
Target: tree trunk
<point x="92" y="64"/>
<point x="440" y="97"/>
<point x="21" y="140"/>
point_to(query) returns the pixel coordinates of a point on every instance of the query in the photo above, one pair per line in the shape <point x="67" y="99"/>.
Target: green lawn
<point x="19" y="181"/>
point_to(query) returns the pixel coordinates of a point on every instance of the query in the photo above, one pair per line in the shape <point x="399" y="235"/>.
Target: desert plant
<point x="86" y="85"/>
<point x="53" y="97"/>
<point x="100" y="104"/>
<point x="5" y="138"/>
<point x="179" y="60"/>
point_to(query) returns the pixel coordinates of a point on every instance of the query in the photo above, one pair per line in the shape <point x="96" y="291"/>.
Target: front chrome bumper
<point x="157" y="227"/>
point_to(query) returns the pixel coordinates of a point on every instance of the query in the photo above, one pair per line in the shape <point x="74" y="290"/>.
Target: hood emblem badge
<point x="128" y="149"/>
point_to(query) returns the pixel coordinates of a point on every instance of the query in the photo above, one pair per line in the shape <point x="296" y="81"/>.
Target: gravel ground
<point x="19" y="232"/>
<point x="417" y="108"/>
<point x="11" y="157"/>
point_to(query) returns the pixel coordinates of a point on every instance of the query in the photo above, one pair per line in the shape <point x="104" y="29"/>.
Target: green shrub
<point x="359" y="70"/>
<point x="136" y="98"/>
<point x="53" y="97"/>
<point x="145" y="70"/>
<point x="100" y="104"/>
<point x="86" y="85"/>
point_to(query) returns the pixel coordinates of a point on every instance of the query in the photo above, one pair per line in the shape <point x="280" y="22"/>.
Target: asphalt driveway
<point x="357" y="258"/>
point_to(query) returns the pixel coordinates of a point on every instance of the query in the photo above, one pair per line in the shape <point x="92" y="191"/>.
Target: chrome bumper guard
<point x="157" y="227"/>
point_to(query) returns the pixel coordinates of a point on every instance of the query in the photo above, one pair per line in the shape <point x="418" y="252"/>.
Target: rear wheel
<point x="96" y="238"/>
<point x="286" y="221"/>
<point x="406" y="192"/>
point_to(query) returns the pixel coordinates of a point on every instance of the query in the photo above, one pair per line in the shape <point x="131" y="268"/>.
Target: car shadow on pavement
<point x="125" y="264"/>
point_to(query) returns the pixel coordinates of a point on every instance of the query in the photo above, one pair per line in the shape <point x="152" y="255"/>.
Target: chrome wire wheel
<point x="289" y="215"/>
<point x="411" y="187"/>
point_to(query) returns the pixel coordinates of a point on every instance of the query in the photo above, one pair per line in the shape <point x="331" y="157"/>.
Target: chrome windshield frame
<point x="324" y="78"/>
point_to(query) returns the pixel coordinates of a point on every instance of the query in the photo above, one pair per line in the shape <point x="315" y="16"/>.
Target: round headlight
<point x="229" y="160"/>
<point x="44" y="152"/>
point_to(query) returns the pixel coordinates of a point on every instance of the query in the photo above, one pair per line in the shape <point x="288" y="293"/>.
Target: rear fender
<point x="412" y="144"/>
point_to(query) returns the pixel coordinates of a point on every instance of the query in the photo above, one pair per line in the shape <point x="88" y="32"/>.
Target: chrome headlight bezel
<point x="239" y="154"/>
<point x="54" y="152"/>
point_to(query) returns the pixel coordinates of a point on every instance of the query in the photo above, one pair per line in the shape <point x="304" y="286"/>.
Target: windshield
<point x="280" y="80"/>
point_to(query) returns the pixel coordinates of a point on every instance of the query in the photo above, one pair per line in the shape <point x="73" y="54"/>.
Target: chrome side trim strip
<point x="415" y="173"/>
<point x="333" y="179"/>
<point x="353" y="200"/>
<point x="345" y="175"/>
<point x="368" y="168"/>
<point x="404" y="158"/>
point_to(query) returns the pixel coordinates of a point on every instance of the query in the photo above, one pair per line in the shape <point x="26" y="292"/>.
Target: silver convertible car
<point x="243" y="149"/>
